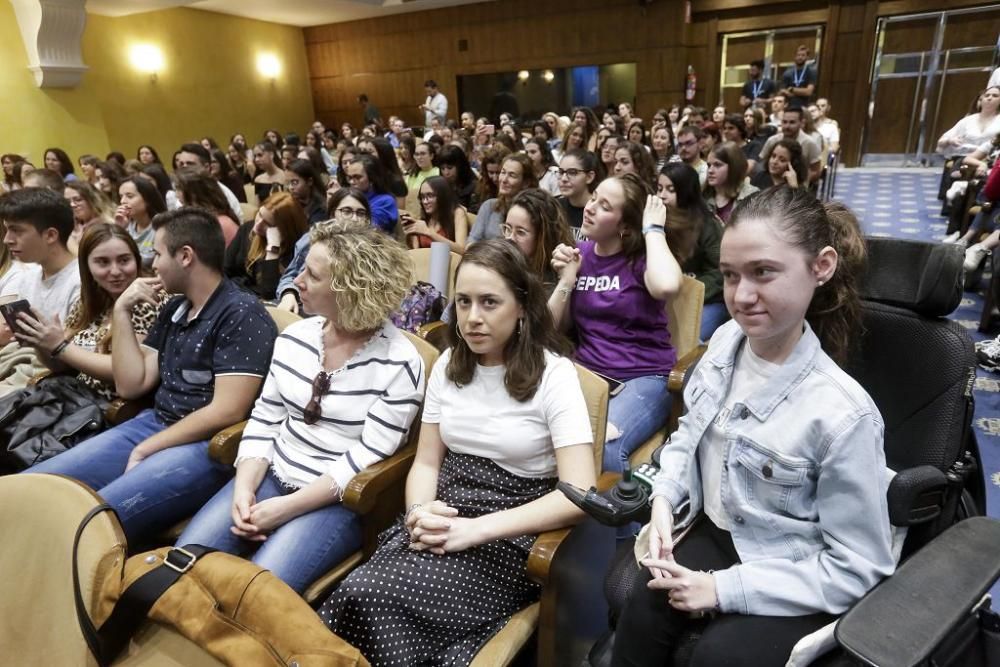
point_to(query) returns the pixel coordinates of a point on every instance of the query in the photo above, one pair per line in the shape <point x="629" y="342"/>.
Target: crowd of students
<point x="146" y="281"/>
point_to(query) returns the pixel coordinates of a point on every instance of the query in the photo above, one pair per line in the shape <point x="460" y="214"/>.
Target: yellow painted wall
<point x="209" y="85"/>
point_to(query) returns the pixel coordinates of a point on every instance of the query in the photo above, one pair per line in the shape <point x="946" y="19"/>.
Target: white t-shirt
<point x="55" y="295"/>
<point x="10" y="282"/>
<point x="481" y="418"/>
<point x="750" y="374"/>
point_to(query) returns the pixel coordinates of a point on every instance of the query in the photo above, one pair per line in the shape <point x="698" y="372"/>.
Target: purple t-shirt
<point x="622" y="330"/>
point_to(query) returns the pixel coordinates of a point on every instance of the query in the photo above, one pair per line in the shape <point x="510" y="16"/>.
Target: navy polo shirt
<point x="232" y="335"/>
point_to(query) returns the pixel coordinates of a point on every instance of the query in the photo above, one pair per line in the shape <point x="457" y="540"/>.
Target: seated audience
<point x="973" y="130"/>
<point x="606" y="148"/>
<point x="44" y="178"/>
<point x="694" y="233"/>
<point x="636" y="133"/>
<point x="441" y="218"/>
<point x="37" y="225"/>
<point x="304" y="443"/>
<point x="58" y="161"/>
<point x="575" y="138"/>
<point x="476" y="497"/>
<point x="612" y="291"/>
<point x="87" y="164"/>
<point x="546" y="171"/>
<point x="767" y="559"/>
<point x="146" y="154"/>
<point x="109" y="263"/>
<point x="727" y="180"/>
<point x="7" y="161"/>
<point x="453" y="164"/>
<point x="577" y="181"/>
<point x="422" y="168"/>
<point x="109" y="177"/>
<point x="11" y="272"/>
<point x="264" y="248"/>
<point x="346" y="204"/>
<point x="220" y="169"/>
<point x="385" y="153"/>
<point x="516" y="174"/>
<point x="215" y="341"/>
<point x="195" y="158"/>
<point x="89" y="207"/>
<point x="688" y="149"/>
<point x="305" y="184"/>
<point x="197" y="188"/>
<point x="662" y="145"/>
<point x="792" y="128"/>
<point x="825" y="125"/>
<point x="268" y="167"/>
<point x="366" y="173"/>
<point x="785" y="166"/>
<point x="632" y="158"/>
<point x="536" y="224"/>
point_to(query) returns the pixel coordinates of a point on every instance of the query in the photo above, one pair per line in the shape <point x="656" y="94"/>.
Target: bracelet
<point x="654" y="228"/>
<point x="565" y="291"/>
<point x="406" y="517"/>
<point x="58" y="349"/>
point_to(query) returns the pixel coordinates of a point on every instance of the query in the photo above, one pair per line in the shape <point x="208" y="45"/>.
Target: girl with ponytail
<point x="780" y="448"/>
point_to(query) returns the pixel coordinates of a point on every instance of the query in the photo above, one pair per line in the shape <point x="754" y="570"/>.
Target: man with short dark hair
<point x="791" y="128"/>
<point x="799" y="80"/>
<point x="206" y="356"/>
<point x="395" y="132"/>
<point x="758" y="89"/>
<point x="37" y="225"/>
<point x="194" y="156"/>
<point x="689" y="150"/>
<point x="436" y="103"/>
<point x="825" y="125"/>
<point x="779" y="101"/>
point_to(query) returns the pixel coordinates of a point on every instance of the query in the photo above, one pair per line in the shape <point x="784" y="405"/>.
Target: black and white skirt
<point x="406" y="607"/>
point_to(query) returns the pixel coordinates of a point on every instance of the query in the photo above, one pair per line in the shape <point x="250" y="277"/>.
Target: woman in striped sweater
<point x="343" y="388"/>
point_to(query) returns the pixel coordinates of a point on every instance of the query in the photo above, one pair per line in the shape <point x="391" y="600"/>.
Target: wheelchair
<point x="919" y="369"/>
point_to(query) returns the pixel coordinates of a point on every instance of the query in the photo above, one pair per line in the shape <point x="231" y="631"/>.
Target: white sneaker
<point x="952" y="238"/>
<point x="974" y="256"/>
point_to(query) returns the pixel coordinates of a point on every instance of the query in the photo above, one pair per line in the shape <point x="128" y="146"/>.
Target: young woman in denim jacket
<point x="780" y="448"/>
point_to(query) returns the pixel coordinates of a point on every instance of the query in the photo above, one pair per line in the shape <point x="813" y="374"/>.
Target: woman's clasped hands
<point x="437" y="528"/>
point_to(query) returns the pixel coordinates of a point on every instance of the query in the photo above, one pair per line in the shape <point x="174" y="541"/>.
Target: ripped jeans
<point x="170" y="485"/>
<point x="634" y="415"/>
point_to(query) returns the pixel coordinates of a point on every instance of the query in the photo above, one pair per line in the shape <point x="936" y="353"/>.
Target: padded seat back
<point x="39" y="516"/>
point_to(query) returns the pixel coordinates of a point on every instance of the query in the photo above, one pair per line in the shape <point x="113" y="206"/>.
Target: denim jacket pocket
<point x="772" y="482"/>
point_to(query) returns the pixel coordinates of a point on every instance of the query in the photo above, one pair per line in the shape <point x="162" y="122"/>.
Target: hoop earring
<point x="520" y="325"/>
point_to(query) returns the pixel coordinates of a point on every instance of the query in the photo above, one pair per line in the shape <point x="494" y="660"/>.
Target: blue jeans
<point x="639" y="411"/>
<point x="168" y="486"/>
<point x="298" y="552"/>
<point x="713" y="316"/>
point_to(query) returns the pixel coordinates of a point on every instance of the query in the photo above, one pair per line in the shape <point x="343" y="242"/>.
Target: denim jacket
<point x="804" y="483"/>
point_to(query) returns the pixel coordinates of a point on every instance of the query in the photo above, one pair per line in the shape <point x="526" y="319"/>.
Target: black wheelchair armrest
<point x="903" y="619"/>
<point x="916" y="496"/>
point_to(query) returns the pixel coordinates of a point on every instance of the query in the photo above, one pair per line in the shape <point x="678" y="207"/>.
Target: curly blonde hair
<point x="372" y="272"/>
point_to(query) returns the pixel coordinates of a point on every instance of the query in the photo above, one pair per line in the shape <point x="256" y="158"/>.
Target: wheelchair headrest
<point x="919" y="276"/>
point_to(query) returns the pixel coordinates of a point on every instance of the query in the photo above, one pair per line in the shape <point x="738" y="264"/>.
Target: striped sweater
<point x="366" y="413"/>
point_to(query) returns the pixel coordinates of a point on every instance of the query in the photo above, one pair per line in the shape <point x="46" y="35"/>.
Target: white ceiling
<point x="291" y="12"/>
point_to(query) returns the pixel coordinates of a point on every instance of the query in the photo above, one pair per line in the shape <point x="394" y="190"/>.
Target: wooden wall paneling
<point x="896" y="7"/>
<point x="776" y="20"/>
<point x="909" y="36"/>
<point x="853" y="123"/>
<point x="852" y="16"/>
<point x="979" y="29"/>
<point x="850" y="61"/>
<point x="711" y="86"/>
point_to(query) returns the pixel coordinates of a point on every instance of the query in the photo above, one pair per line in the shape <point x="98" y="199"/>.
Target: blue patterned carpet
<point x="902" y="203"/>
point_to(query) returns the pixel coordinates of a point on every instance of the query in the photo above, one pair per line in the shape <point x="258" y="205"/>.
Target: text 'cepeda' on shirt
<point x="231" y="335"/>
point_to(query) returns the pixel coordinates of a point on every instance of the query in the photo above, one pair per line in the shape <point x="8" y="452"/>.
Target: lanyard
<point x="756" y="88"/>
<point x="797" y="77"/>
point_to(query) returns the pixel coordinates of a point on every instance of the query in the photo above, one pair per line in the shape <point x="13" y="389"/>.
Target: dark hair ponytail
<point x="835" y="310"/>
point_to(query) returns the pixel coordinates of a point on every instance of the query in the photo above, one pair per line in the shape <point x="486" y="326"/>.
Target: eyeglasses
<point x="348" y="213"/>
<point x="427" y="196"/>
<point x="75" y="201"/>
<point x="320" y="385"/>
<point x="509" y="231"/>
<point x="572" y="173"/>
<point x="687" y="144"/>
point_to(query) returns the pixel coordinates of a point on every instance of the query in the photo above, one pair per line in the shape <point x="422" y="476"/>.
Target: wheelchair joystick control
<point x="624" y="503"/>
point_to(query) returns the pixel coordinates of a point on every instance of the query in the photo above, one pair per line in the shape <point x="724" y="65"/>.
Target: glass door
<point x="927" y="71"/>
<point x="775" y="47"/>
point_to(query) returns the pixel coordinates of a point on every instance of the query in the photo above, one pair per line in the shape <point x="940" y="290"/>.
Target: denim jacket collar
<point x="793" y="371"/>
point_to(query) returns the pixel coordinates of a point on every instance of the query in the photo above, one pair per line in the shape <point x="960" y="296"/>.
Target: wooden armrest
<point x="675" y="383"/>
<point x="435" y="333"/>
<point x="121" y="410"/>
<point x="362" y="492"/>
<point x="543" y="551"/>
<point x="226" y="443"/>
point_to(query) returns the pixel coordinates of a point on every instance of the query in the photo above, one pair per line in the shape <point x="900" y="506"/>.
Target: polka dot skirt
<point x="405" y="607"/>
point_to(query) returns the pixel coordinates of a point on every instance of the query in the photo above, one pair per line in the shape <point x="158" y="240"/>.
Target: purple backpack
<point x="422" y="305"/>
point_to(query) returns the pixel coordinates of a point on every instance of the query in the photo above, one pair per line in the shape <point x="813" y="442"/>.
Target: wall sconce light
<point x="147" y="58"/>
<point x="548" y="75"/>
<point x="268" y="65"/>
<point x="523" y="75"/>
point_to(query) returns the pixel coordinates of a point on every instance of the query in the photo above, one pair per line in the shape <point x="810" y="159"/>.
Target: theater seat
<point x="421" y="258"/>
<point x="684" y="323"/>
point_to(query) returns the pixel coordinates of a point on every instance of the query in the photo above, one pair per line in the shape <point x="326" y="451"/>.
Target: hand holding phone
<point x="11" y="308"/>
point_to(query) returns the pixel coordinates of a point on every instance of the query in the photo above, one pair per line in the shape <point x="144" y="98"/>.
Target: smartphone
<point x="490" y="129"/>
<point x="10" y="310"/>
<point x="614" y="386"/>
